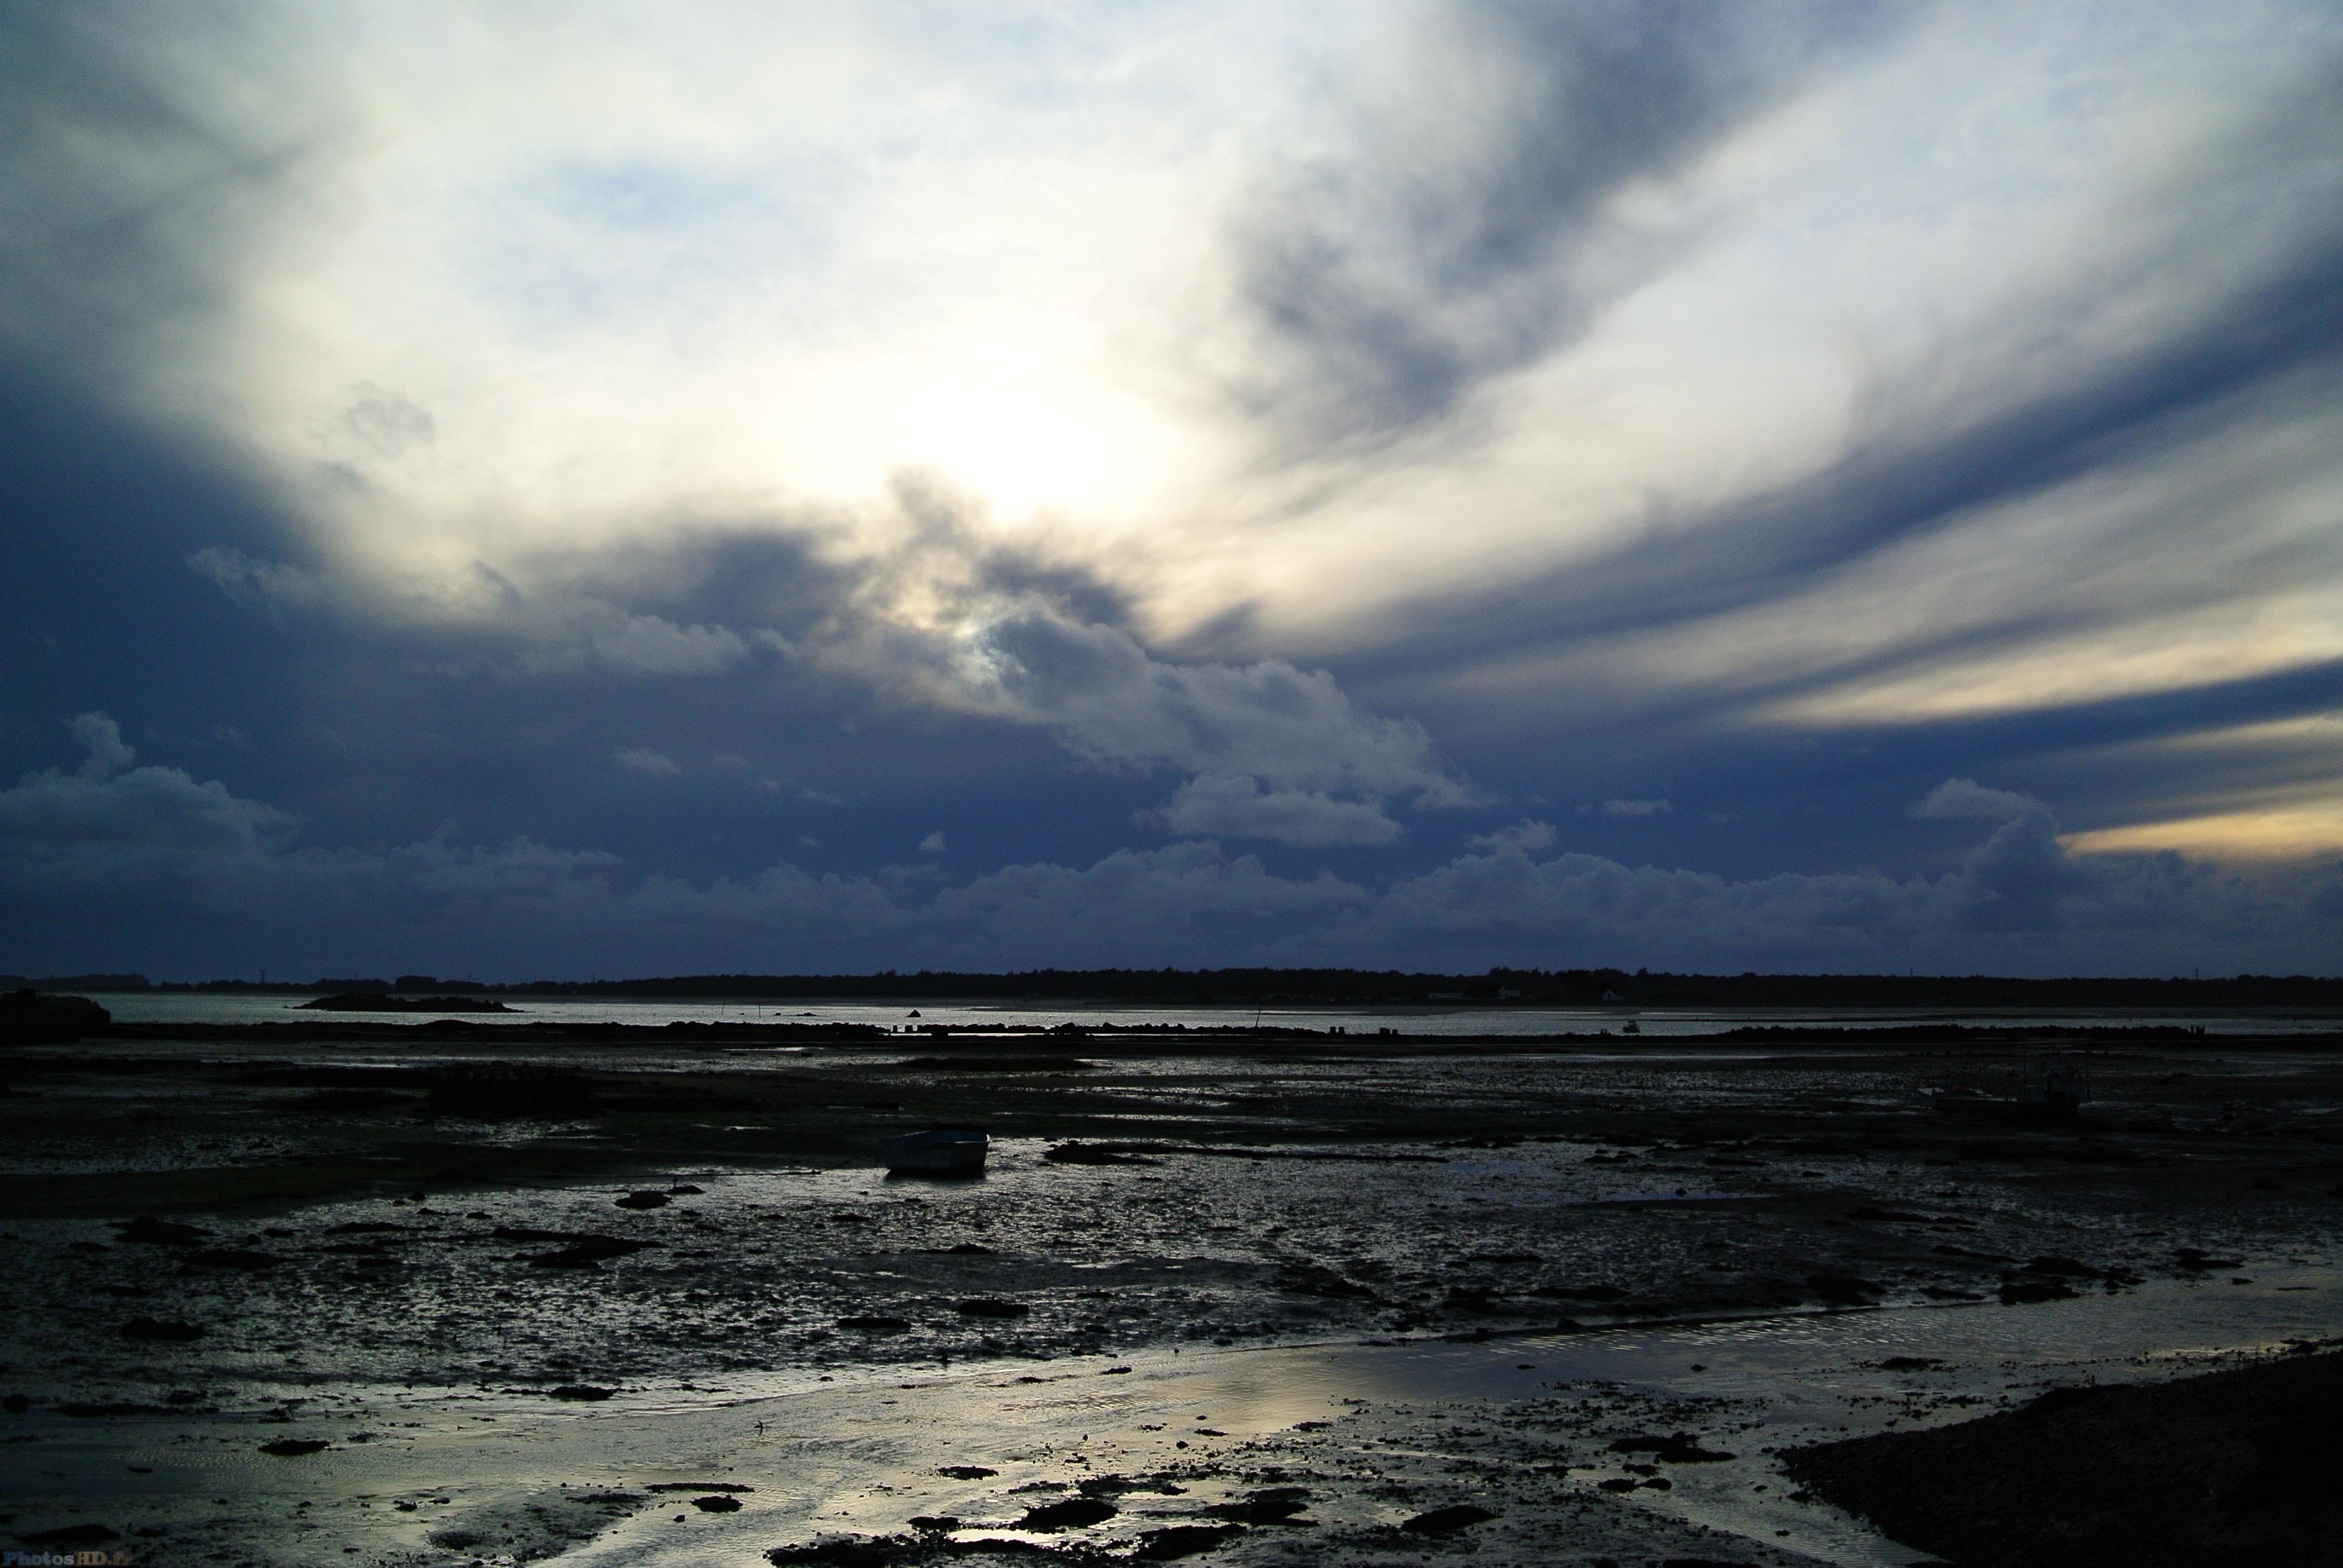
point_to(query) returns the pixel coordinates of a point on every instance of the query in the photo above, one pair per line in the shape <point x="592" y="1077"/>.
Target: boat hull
<point x="940" y="1151"/>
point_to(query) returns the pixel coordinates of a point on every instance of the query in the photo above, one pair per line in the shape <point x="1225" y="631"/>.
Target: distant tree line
<point x="1335" y="988"/>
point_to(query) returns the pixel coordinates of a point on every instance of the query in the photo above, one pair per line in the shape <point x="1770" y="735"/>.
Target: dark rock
<point x="1442" y="1521"/>
<point x="2060" y="1269"/>
<point x="584" y="1249"/>
<point x="148" y="1232"/>
<point x="1676" y="1448"/>
<point x="364" y="1228"/>
<point x="685" y="1190"/>
<point x="70" y="1535"/>
<point x="1274" y="1506"/>
<point x="161" y="1329"/>
<point x="648" y="1198"/>
<point x="934" y="1524"/>
<point x="582" y="1391"/>
<point x="852" y="1551"/>
<point x="2025" y="1292"/>
<point x="1843" y="1290"/>
<point x="967" y="1471"/>
<point x="991" y="1307"/>
<point x="376" y="1002"/>
<point x="969" y="1250"/>
<point x="1080" y="1153"/>
<point x="698" y="1486"/>
<point x="295" y="1447"/>
<point x="29" y="1018"/>
<point x="717" y="1504"/>
<point x="16" y="1404"/>
<point x="876" y="1324"/>
<point x="1176" y="1540"/>
<point x="2189" y="1260"/>
<point x="1073" y="1514"/>
<point x="1909" y="1363"/>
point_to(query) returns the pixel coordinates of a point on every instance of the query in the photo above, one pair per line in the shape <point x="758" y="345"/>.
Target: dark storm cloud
<point x="928" y="612"/>
<point x="133" y="189"/>
<point x="1465" y="229"/>
<point x="219" y="874"/>
<point x="863" y="735"/>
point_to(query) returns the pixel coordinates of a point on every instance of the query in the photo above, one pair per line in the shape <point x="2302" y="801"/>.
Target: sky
<point x="567" y="489"/>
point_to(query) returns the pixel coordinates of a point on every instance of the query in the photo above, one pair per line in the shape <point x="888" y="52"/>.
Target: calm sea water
<point x="168" y="1007"/>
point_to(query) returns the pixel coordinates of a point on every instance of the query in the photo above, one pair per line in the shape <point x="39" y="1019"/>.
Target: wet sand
<point x="365" y="1263"/>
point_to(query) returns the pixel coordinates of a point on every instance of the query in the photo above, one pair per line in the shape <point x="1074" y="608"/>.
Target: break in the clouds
<point x="1849" y="487"/>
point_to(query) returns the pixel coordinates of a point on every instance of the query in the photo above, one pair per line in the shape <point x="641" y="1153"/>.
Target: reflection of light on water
<point x="840" y="1457"/>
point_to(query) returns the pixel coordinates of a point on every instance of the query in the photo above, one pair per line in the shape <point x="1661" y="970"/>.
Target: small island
<point x="372" y="1002"/>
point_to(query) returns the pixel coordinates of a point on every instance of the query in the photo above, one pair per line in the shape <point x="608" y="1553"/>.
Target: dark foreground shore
<point x="2234" y="1467"/>
<point x="385" y="1245"/>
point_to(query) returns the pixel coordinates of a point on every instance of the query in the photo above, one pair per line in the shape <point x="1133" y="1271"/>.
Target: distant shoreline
<point x="1199" y="1037"/>
<point x="1333" y="988"/>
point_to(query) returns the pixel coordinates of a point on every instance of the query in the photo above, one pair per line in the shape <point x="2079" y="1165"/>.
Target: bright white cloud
<point x="473" y="313"/>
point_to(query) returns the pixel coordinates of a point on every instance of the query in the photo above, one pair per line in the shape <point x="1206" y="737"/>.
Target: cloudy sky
<point x="552" y="490"/>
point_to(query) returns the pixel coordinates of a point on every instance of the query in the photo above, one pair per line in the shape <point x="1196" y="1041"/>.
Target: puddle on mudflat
<point x="1372" y="1434"/>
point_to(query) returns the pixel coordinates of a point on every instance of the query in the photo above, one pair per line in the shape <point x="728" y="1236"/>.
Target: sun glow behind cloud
<point x="1299" y="334"/>
<point x="629" y="270"/>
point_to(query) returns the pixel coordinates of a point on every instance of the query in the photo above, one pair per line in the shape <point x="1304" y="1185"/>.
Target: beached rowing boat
<point x="937" y="1151"/>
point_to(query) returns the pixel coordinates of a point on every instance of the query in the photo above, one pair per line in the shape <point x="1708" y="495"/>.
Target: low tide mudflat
<point x="1367" y="1292"/>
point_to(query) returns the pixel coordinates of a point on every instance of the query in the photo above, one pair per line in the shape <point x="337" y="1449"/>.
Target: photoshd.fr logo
<point x="64" y="1560"/>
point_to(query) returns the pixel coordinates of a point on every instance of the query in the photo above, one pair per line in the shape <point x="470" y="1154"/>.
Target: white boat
<point x="937" y="1151"/>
